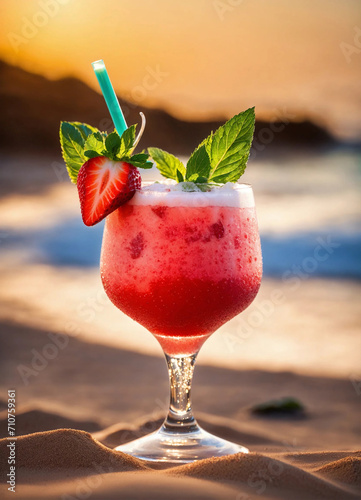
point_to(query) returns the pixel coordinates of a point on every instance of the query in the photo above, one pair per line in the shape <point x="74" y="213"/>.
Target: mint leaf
<point x="202" y="180"/>
<point x="140" y="157"/>
<point x="229" y="147"/>
<point x="138" y="164"/>
<point x="127" y="140"/>
<point x="220" y="158"/>
<point x="91" y="154"/>
<point x="80" y="141"/>
<point x="167" y="164"/>
<point x="72" y="146"/>
<point x="198" y="179"/>
<point x="84" y="129"/>
<point x="145" y="165"/>
<point x="180" y="177"/>
<point x="199" y="162"/>
<point x="192" y="178"/>
<point x="140" y="160"/>
<point x="119" y="147"/>
<point x="112" y="145"/>
<point x="95" y="141"/>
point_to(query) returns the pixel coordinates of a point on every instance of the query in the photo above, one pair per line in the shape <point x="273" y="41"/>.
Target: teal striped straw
<point x="109" y="96"/>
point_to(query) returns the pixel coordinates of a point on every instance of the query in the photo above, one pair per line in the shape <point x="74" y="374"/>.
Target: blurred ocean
<point x="308" y="210"/>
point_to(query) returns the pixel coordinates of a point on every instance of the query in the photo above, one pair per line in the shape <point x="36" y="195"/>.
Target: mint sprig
<point x="80" y="142"/>
<point x="222" y="157"/>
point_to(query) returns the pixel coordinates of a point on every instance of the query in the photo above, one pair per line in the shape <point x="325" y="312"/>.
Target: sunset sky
<point x="202" y="59"/>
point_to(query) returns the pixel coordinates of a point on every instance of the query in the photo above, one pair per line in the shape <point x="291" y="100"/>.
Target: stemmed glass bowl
<point x="182" y="264"/>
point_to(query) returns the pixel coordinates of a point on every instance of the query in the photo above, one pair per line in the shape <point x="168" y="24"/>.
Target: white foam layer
<point x="172" y="195"/>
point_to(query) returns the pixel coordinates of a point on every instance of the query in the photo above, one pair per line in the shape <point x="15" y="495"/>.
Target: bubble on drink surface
<point x="173" y="194"/>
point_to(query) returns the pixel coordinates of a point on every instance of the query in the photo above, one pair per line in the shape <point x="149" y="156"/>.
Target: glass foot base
<point x="176" y="447"/>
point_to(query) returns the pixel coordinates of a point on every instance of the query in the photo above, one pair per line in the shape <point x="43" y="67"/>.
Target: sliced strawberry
<point x="104" y="185"/>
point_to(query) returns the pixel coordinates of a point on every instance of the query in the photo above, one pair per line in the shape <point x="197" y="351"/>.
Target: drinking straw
<point x="109" y="96"/>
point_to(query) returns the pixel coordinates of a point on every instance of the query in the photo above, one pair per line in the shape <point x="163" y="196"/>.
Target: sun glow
<point x="196" y="59"/>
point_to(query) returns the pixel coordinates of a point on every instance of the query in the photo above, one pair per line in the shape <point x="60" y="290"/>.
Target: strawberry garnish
<point x="104" y="185"/>
<point x="103" y="166"/>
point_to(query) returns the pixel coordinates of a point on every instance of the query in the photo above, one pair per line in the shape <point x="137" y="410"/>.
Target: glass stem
<point x="180" y="417"/>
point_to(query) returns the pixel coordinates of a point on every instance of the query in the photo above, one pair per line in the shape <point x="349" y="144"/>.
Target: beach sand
<point x="68" y="463"/>
<point x="91" y="398"/>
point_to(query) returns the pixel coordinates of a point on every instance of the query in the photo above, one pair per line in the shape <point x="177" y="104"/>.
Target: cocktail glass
<point x="182" y="264"/>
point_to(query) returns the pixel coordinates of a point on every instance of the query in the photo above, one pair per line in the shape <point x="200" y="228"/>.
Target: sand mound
<point x="347" y="470"/>
<point x="71" y="461"/>
<point x="30" y="421"/>
<point x="315" y="460"/>
<point x="67" y="450"/>
<point x="132" y="486"/>
<point x="118" y="434"/>
<point x="262" y="472"/>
